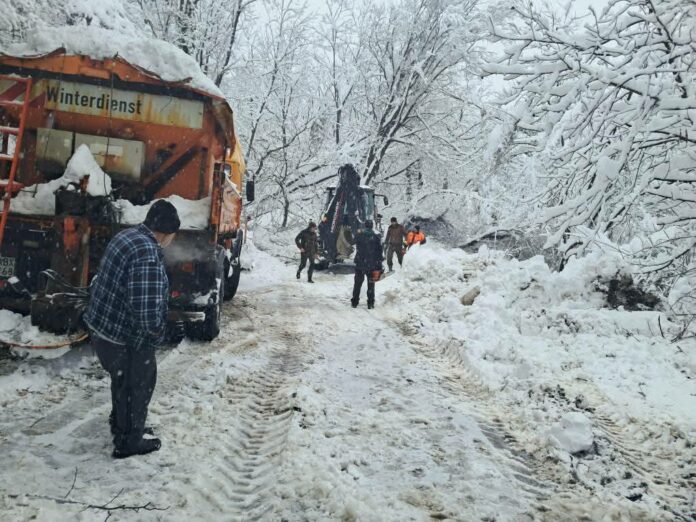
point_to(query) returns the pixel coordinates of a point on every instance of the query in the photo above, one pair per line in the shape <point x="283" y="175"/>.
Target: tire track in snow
<point x="240" y="483"/>
<point x="263" y="421"/>
<point x="664" y="470"/>
<point x="553" y="492"/>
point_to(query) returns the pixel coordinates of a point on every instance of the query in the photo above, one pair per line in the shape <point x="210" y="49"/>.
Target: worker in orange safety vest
<point x="415" y="237"/>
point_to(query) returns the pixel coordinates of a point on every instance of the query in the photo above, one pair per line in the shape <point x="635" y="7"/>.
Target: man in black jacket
<point x="368" y="258"/>
<point x="306" y="241"/>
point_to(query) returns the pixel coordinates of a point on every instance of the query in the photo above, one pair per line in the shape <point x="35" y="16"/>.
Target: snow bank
<point x="548" y="336"/>
<point x="163" y="59"/>
<point x="40" y="198"/>
<point x="262" y="270"/>
<point x="193" y="214"/>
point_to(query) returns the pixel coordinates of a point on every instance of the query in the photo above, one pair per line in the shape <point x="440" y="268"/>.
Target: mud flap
<point x="233" y="267"/>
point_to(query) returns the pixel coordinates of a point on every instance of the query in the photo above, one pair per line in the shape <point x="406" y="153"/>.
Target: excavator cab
<point x="366" y="204"/>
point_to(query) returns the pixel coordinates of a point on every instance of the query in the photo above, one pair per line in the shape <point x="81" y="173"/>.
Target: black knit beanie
<point x="162" y="217"/>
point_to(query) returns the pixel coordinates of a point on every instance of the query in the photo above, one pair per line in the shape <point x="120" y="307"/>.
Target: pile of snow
<point x="83" y="164"/>
<point x="17" y="329"/>
<point x="193" y="214"/>
<point x="547" y="336"/>
<point x="40" y="198"/>
<point x="261" y="270"/>
<point x="165" y="60"/>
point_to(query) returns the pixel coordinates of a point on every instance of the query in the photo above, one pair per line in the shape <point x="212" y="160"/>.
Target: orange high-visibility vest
<point x="414" y="237"/>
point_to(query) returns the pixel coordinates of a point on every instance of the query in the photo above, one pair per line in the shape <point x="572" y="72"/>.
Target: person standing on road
<point x="368" y="258"/>
<point x="396" y="234"/>
<point x="127" y="318"/>
<point x="306" y="241"/>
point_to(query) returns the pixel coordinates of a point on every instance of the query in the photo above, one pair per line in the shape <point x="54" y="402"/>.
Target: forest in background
<point x="574" y="127"/>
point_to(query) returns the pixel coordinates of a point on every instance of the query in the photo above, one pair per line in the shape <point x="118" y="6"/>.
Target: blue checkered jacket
<point x="128" y="297"/>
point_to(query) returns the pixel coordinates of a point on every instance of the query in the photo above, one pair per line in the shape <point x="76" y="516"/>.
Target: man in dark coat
<point x="368" y="258"/>
<point x="306" y="241"/>
<point x="126" y="316"/>
<point x="396" y="234"/>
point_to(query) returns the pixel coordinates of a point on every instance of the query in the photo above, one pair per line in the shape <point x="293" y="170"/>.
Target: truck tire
<point x="209" y="329"/>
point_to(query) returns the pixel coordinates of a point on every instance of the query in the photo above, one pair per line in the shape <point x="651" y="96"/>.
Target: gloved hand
<point x="175" y="333"/>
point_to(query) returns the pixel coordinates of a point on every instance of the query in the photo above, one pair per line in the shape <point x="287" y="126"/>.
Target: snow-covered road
<point x="305" y="409"/>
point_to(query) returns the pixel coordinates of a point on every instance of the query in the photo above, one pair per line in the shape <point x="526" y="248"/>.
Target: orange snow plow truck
<point x="89" y="138"/>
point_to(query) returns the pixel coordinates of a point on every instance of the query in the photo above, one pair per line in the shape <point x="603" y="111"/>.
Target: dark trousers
<point x="394" y="249"/>
<point x="303" y="262"/>
<point x="133" y="374"/>
<point x="360" y="276"/>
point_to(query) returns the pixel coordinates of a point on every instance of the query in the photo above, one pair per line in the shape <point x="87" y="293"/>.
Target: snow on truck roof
<point x="156" y="57"/>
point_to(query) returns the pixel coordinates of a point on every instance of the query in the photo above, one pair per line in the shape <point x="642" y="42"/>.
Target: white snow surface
<point x="193" y="214"/>
<point x="573" y="433"/>
<point x="40" y="198"/>
<point x="533" y="403"/>
<point x="163" y="59"/>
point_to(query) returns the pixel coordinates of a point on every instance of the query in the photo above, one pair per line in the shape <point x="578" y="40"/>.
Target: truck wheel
<point x="232" y="282"/>
<point x="209" y="329"/>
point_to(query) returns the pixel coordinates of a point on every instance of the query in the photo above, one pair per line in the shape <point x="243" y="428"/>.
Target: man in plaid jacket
<point x="127" y="317"/>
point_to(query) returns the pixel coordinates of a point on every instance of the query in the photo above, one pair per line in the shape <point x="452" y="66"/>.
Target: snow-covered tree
<point x="277" y="95"/>
<point x="609" y="108"/>
<point x="414" y="50"/>
<point x="206" y="29"/>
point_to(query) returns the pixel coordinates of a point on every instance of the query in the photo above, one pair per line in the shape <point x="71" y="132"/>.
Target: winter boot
<point x="297" y="275"/>
<point x="310" y="281"/>
<point x="143" y="447"/>
<point x="353" y="303"/>
<point x="370" y="306"/>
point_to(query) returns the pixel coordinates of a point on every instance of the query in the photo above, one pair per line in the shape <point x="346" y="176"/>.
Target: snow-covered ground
<point x="532" y="403"/>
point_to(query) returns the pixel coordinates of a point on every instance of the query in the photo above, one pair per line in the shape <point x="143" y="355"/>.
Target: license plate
<point x="7" y="266"/>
